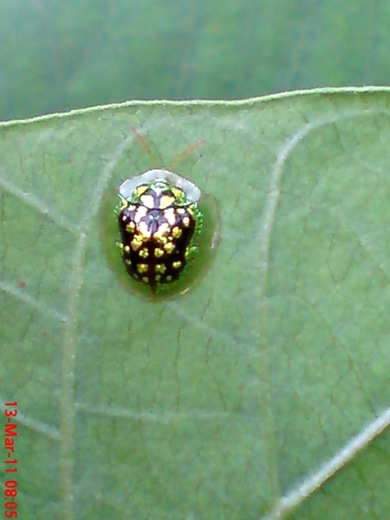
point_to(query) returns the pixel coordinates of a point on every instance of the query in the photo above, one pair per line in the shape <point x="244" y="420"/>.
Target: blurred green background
<point x="57" y="55"/>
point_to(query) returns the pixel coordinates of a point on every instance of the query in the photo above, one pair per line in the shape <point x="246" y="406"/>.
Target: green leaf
<point x="242" y="398"/>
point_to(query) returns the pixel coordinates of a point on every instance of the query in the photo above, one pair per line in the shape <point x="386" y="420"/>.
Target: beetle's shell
<point x="157" y="224"/>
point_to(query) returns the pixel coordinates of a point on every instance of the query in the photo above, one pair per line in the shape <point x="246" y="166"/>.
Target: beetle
<point x="160" y="223"/>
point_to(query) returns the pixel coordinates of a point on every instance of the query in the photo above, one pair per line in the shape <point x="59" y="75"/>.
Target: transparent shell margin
<point x="207" y="242"/>
<point x="192" y="191"/>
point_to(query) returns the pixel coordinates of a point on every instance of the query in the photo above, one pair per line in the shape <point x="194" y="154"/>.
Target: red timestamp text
<point x="10" y="462"/>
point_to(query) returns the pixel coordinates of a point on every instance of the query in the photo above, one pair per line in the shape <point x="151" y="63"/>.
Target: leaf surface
<point x="269" y="376"/>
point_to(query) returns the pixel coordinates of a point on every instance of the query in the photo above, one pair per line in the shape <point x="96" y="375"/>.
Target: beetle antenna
<point x="145" y="145"/>
<point x="185" y="152"/>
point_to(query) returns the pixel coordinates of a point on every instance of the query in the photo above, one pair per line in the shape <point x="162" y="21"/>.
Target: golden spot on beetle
<point x="136" y="243"/>
<point x="166" y="201"/>
<point x="160" y="240"/>
<point x="177" y="232"/>
<point x="144" y="253"/>
<point x="176" y="265"/>
<point x="145" y="279"/>
<point x="141" y="190"/>
<point x="123" y="205"/>
<point x="130" y="227"/>
<point x="186" y="221"/>
<point x="178" y="194"/>
<point x="160" y="268"/>
<point x="169" y="247"/>
<point x="142" y="268"/>
<point x="158" y="252"/>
